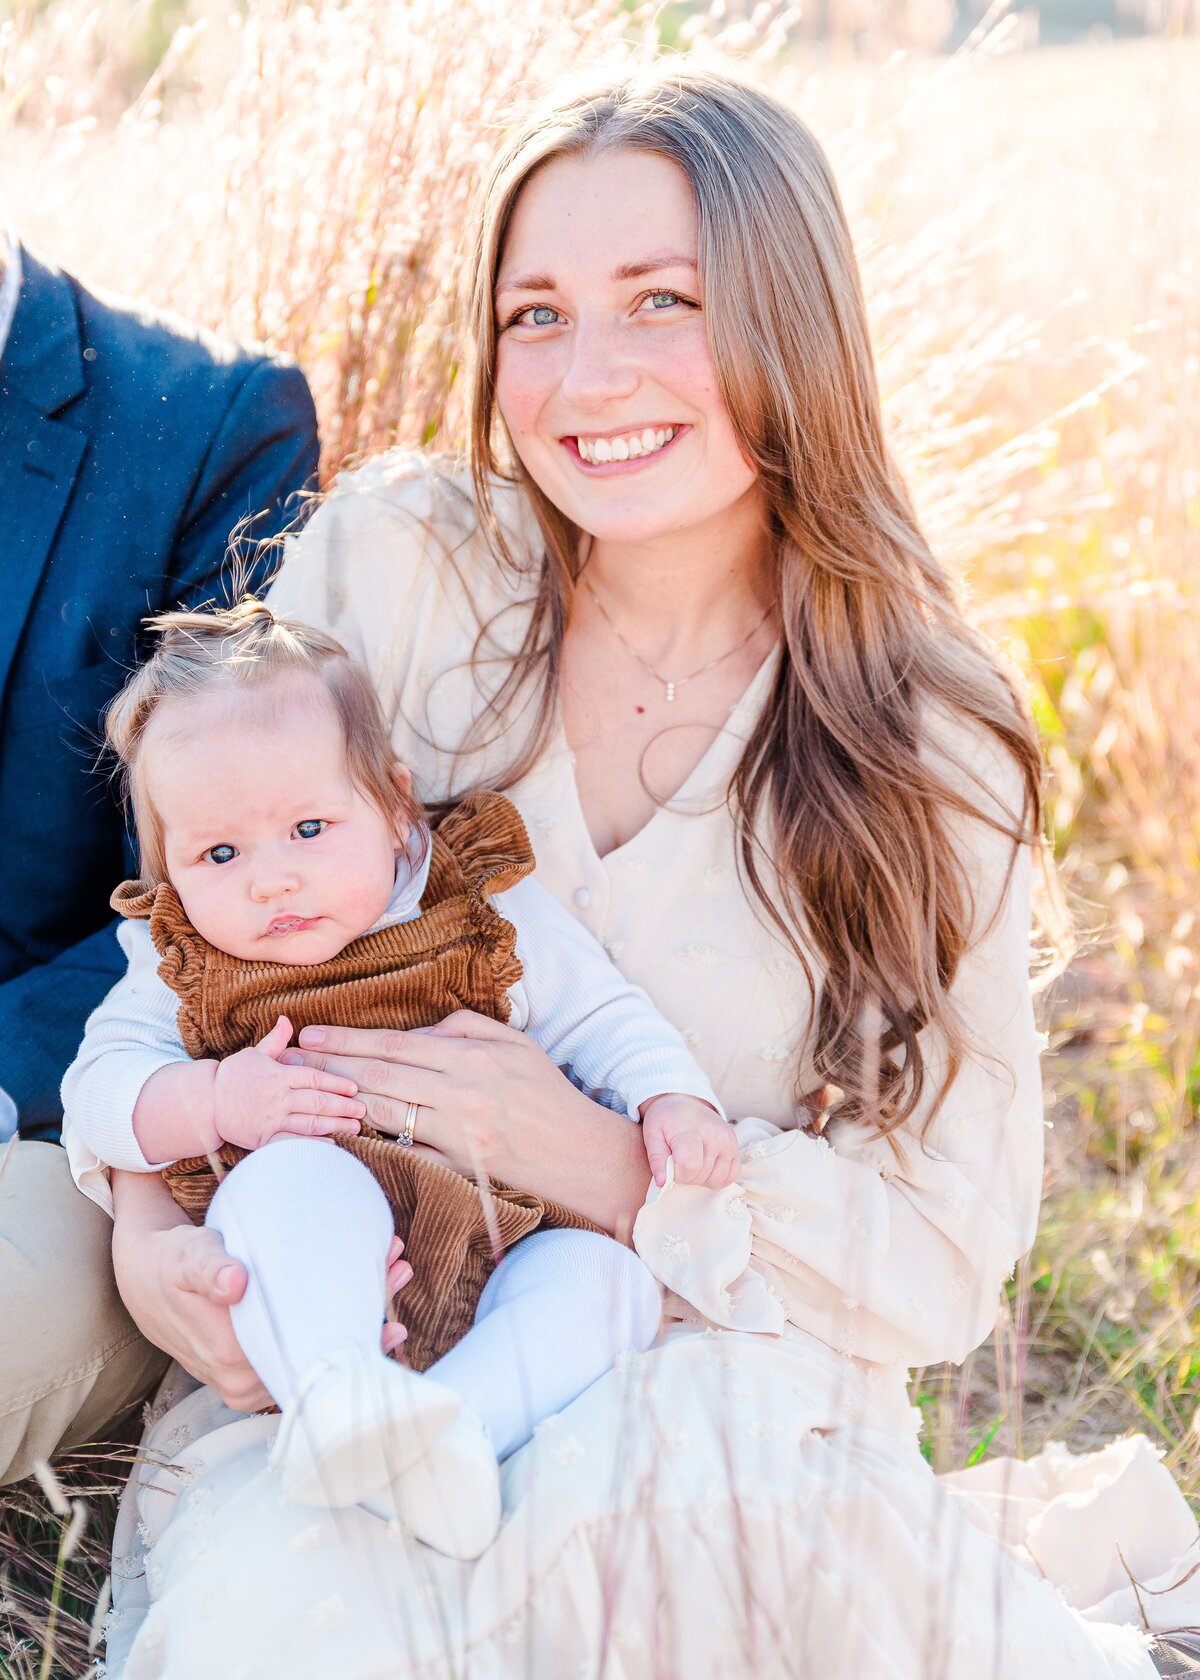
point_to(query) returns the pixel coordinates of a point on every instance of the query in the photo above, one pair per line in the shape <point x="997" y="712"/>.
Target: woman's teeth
<point x="597" y="451"/>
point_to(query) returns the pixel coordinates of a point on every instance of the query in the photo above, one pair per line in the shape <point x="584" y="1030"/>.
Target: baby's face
<point x="275" y="854"/>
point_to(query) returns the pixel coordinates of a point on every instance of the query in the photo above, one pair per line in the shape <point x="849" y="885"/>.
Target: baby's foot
<point x="450" y="1498"/>
<point x="357" y="1422"/>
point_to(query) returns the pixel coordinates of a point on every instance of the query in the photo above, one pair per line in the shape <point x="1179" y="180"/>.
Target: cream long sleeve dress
<point x="749" y="1497"/>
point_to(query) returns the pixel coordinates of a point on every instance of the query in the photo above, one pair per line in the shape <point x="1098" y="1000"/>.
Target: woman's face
<point x="604" y="375"/>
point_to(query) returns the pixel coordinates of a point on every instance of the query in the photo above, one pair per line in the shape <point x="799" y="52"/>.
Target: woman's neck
<point x="686" y="591"/>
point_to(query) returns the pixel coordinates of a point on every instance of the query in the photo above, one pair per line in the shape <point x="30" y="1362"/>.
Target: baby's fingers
<point x="316" y="1079"/>
<point x="657" y="1153"/>
<point x="725" y="1164"/>
<point x="322" y="1102"/>
<point x="688" y="1153"/>
<point x="314" y="1126"/>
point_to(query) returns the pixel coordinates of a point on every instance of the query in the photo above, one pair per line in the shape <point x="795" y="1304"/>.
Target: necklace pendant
<point x="670" y="691"/>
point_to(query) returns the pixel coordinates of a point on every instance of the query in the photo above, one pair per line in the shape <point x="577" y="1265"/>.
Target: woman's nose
<point x="599" y="367"/>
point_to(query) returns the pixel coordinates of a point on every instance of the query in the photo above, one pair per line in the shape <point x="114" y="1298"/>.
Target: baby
<point x="284" y="855"/>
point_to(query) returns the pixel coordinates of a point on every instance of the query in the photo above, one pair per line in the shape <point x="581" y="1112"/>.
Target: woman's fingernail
<point x="292" y="1058"/>
<point x="313" y="1035"/>
<point x="224" y="1279"/>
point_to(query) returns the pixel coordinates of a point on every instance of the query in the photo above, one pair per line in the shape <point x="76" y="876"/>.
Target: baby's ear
<point x="406" y="802"/>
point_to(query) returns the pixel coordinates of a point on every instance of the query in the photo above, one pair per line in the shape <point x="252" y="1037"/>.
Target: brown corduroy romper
<point x="458" y="954"/>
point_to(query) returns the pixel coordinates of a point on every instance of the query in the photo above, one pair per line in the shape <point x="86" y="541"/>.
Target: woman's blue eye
<point x="310" y="828"/>
<point x="664" y="300"/>
<point x="221" y="854"/>
<point x="534" y="314"/>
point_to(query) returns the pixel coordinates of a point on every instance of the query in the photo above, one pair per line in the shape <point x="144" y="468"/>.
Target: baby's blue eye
<point x="310" y="828"/>
<point x="221" y="854"/>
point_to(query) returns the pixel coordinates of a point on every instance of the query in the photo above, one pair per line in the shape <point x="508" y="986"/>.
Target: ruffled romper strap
<point x="486" y="838"/>
<point x="183" y="954"/>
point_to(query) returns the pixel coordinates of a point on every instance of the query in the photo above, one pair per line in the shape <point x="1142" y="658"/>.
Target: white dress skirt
<point x="749" y="1497"/>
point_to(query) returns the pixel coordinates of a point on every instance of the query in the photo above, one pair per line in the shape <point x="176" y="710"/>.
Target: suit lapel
<point x="41" y="374"/>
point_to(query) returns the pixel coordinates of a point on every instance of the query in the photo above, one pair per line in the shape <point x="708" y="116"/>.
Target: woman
<point x="687" y="618"/>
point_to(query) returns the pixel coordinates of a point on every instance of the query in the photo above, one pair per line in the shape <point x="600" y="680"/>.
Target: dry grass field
<point x="1029" y="227"/>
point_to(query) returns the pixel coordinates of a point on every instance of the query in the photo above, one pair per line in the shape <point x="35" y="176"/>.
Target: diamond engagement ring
<point x="408" y="1135"/>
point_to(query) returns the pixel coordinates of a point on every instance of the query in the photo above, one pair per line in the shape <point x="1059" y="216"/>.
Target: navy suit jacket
<point x="131" y="445"/>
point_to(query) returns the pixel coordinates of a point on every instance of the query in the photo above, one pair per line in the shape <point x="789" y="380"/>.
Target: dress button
<point x="582" y="897"/>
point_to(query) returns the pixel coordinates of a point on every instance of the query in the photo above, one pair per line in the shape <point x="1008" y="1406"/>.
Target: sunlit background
<point x="1025" y="194"/>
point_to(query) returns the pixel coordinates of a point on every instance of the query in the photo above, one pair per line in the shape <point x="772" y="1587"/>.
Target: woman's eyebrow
<point x="626" y="271"/>
<point x="652" y="265"/>
<point x="526" y="283"/>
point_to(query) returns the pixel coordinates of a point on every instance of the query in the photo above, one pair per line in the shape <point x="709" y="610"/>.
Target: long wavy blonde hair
<point x="863" y="869"/>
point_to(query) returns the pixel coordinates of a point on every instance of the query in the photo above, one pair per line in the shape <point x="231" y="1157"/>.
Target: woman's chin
<point x="609" y="518"/>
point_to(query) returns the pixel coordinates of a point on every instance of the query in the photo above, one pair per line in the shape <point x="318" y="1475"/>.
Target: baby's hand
<point x="694" y="1136"/>
<point x="257" y="1098"/>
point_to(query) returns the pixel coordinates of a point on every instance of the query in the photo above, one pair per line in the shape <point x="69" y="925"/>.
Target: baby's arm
<point x="248" y="1099"/>
<point x="586" y="1016"/>
<point x="137" y="1100"/>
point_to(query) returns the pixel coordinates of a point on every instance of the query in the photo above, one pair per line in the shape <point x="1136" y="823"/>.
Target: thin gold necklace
<point x="670" y="684"/>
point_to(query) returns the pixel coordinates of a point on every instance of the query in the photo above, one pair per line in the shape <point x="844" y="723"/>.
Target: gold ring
<point x="408" y="1135"/>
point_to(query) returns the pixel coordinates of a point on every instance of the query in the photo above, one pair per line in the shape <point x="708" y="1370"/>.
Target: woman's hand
<point x="178" y="1284"/>
<point x="491" y="1104"/>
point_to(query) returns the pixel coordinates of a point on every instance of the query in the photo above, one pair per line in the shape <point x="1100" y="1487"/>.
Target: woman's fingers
<point x="466" y="1023"/>
<point x="394" y="1336"/>
<point x="390" y="1082"/>
<point x="370" y="1074"/>
<point x="369" y="1044"/>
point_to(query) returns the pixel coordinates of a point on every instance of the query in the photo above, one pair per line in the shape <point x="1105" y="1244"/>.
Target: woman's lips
<point x="606" y="469"/>
<point x="280" y="925"/>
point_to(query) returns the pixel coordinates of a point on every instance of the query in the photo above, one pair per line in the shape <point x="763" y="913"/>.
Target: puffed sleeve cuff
<point x="699" y="1243"/>
<point x="89" y="1172"/>
<point x="878" y="1269"/>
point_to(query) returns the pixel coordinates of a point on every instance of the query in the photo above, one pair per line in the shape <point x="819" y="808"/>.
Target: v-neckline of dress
<point x="710" y="763"/>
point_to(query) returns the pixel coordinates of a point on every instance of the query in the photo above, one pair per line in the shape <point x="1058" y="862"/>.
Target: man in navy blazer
<point x="131" y="446"/>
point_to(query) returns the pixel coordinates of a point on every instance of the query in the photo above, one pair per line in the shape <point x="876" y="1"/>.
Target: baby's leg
<point x="312" y="1228"/>
<point x="554" y="1316"/>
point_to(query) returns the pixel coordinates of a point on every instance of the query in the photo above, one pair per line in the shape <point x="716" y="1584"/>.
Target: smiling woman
<point x="689" y="621"/>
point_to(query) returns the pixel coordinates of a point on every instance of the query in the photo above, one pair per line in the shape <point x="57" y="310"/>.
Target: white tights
<point x="312" y="1227"/>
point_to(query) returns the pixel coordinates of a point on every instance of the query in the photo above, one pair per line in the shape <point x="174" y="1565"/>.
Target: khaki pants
<point x="71" y="1359"/>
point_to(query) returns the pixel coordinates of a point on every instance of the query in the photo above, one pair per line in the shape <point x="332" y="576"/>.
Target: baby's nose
<point x="270" y="885"/>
